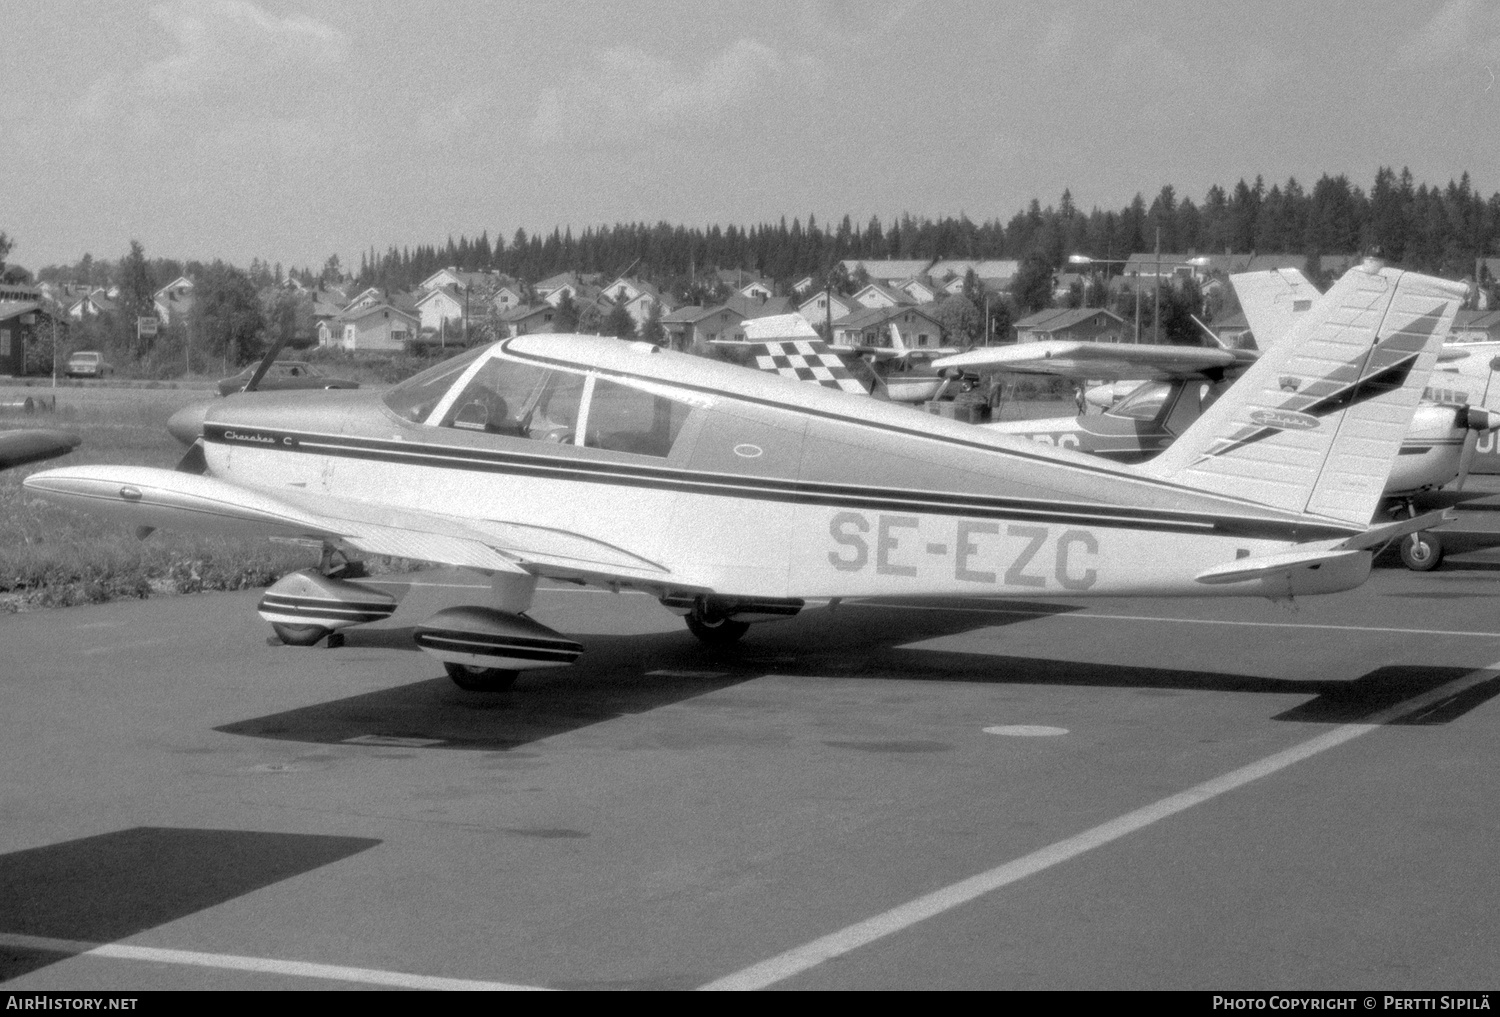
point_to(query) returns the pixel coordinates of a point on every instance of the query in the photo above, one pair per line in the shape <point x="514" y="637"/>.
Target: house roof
<point x="694" y="313"/>
<point x="871" y="317"/>
<point x="366" y="311"/>
<point x="473" y="280"/>
<point x="1054" y="319"/>
<point x="889" y="292"/>
<point x="886" y="270"/>
<point x="993" y="269"/>
<point x="521" y="313"/>
<point x="756" y="307"/>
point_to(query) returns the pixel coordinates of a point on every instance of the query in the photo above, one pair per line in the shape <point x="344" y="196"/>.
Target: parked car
<point x="284" y="374"/>
<point x="87" y="364"/>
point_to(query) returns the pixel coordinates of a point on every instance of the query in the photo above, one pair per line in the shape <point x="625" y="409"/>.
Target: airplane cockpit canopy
<point x="485" y="391"/>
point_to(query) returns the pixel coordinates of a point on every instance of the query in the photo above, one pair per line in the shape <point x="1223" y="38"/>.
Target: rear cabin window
<point x="625" y="419"/>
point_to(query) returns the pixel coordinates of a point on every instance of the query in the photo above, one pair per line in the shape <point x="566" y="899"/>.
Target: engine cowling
<point x="311" y="598"/>
<point x="485" y="637"/>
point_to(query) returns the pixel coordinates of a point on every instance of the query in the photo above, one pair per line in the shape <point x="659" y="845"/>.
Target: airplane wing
<point x="150" y="497"/>
<point x="29" y="446"/>
<point x="1272" y="301"/>
<point x="1112" y="361"/>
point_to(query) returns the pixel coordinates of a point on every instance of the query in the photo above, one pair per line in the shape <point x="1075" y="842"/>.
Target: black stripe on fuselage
<point x="845" y="496"/>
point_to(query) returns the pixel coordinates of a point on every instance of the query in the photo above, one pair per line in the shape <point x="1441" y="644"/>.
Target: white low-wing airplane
<point x="736" y="496"/>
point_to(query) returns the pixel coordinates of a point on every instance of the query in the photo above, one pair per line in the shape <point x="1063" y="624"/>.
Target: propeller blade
<point x="265" y="364"/>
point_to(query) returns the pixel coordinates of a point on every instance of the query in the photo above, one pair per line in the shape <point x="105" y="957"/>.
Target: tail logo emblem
<point x="1285" y="420"/>
<point x="1290" y="383"/>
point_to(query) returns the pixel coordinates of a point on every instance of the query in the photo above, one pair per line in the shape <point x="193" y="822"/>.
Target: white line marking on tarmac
<point x="264" y="965"/>
<point x="810" y="955"/>
<point x="1026" y="730"/>
<point x="1075" y="616"/>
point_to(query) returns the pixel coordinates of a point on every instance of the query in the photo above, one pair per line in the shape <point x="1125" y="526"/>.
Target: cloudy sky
<point x="289" y="131"/>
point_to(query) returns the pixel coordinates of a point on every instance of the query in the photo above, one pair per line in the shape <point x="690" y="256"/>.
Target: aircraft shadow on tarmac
<point x="102" y="889"/>
<point x="622" y="675"/>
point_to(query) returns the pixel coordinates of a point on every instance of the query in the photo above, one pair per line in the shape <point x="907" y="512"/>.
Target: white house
<point x="376" y="326"/>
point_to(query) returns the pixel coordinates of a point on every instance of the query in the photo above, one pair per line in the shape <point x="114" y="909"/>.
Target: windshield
<point x="1144" y="403"/>
<point x="417" y="396"/>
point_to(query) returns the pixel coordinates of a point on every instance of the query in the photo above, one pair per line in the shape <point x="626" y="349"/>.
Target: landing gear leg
<point x="1421" y="551"/>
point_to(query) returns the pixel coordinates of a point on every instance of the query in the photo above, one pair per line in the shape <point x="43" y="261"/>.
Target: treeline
<point x="1428" y="228"/>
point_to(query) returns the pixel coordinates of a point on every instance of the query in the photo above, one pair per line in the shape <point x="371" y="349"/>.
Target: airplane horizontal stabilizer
<point x="1315" y="425"/>
<point x="1309" y="556"/>
<point x="1375" y="536"/>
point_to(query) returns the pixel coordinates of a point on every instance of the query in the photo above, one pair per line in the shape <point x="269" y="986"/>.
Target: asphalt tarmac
<point x="1087" y="794"/>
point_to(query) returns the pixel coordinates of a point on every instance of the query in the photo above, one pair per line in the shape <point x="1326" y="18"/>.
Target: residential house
<point x="1087" y="324"/>
<point x="174" y="300"/>
<point x="880" y="295"/>
<point x="527" y="320"/>
<point x="375" y="326"/>
<point x="756" y="289"/>
<point x="993" y="273"/>
<point x="822" y="306"/>
<point x="507" y="298"/>
<point x="447" y="309"/>
<point x="474" y="282"/>
<point x="921" y="289"/>
<point x="91" y="305"/>
<point x="871" y="326"/>
<point x="802" y="285"/>
<point x="693" y="324"/>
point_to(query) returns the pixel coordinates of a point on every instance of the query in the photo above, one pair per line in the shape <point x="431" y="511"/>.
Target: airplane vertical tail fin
<point x="1315" y="425"/>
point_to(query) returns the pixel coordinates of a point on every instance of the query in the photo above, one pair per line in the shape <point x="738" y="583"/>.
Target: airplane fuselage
<point x="777" y="490"/>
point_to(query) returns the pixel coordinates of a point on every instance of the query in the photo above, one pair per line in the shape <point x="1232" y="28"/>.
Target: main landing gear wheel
<point x="472" y="678"/>
<point x="1421" y="552"/>
<point x="716" y="632"/>
<point x="299" y="635"/>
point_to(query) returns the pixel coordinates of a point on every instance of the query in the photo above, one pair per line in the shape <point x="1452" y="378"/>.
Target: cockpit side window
<point x="626" y="419"/>
<point x="416" y="397"/>
<point x="497" y="398"/>
<point x="520" y="400"/>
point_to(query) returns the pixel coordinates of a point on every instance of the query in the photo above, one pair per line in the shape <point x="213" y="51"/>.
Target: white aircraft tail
<point x="1316" y="424"/>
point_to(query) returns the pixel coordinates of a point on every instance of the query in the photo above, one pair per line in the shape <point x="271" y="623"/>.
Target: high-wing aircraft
<point x="33" y="445"/>
<point x="737" y="496"/>
<point x="1170" y="386"/>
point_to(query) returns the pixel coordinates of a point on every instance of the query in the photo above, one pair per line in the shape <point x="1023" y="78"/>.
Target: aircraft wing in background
<point x="1272" y="301"/>
<point x="1111" y="361"/>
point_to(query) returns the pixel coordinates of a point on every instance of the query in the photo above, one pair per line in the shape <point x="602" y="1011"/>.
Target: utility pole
<point x="1156" y="313"/>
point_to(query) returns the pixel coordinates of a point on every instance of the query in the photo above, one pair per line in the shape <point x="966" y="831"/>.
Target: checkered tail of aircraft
<point x="807" y="360"/>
